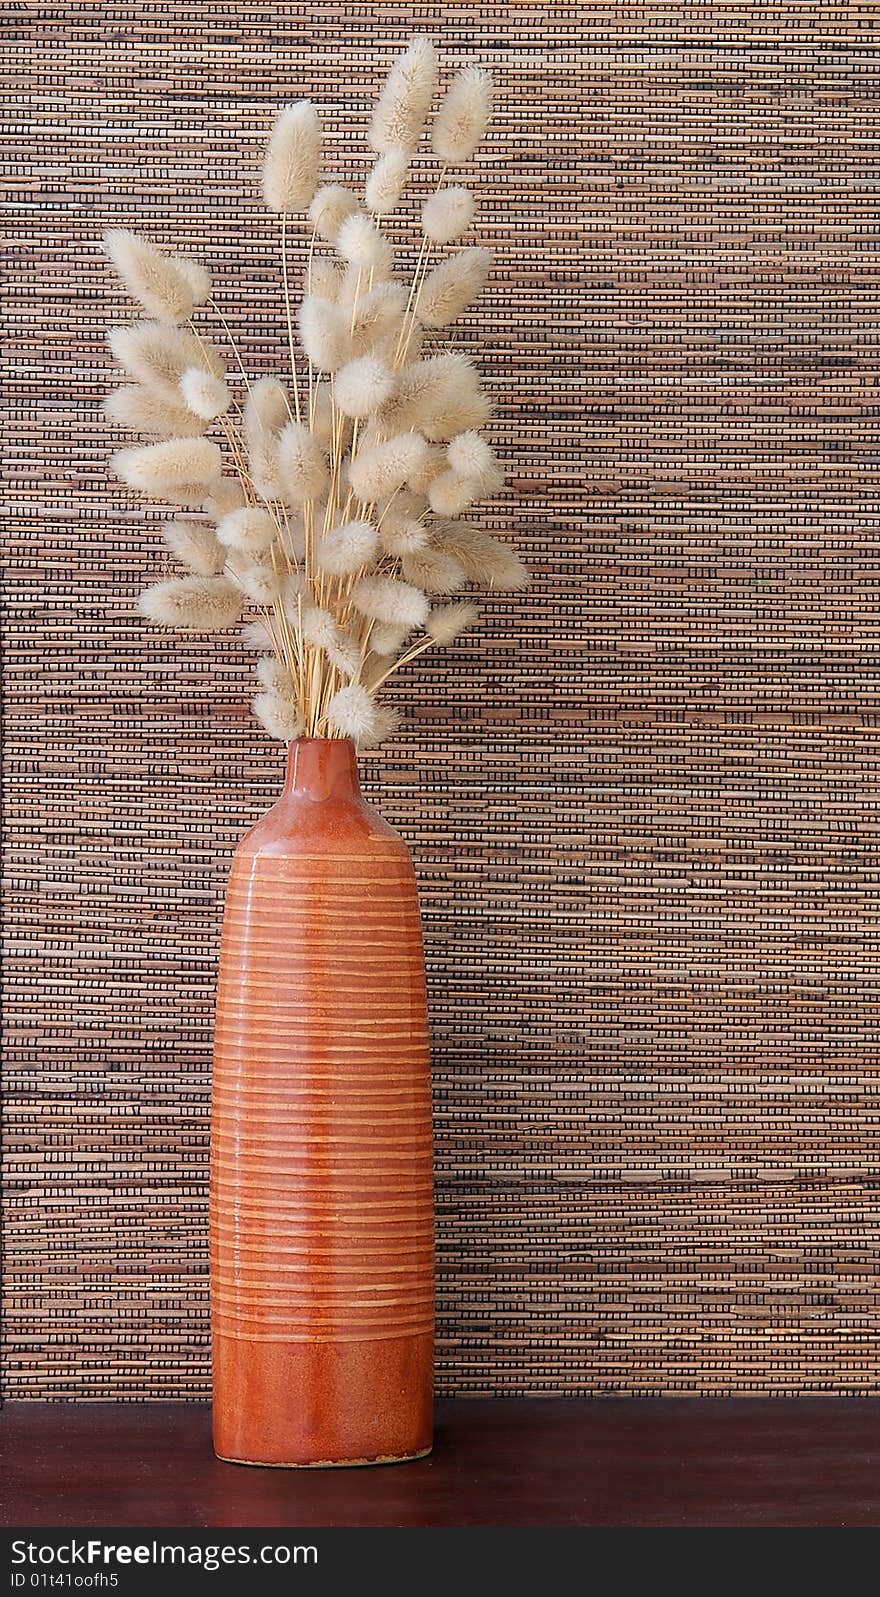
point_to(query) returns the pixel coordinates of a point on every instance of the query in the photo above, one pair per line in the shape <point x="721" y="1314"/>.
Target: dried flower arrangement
<point x="340" y="528"/>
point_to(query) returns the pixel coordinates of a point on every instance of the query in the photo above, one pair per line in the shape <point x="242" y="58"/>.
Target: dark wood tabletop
<point x="525" y="1462"/>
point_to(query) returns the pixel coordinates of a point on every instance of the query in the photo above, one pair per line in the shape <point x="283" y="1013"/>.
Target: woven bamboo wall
<point x="643" y="800"/>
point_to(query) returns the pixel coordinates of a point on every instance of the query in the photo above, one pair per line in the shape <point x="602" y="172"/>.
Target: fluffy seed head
<point x="226" y="494"/>
<point x="203" y="394"/>
<point x="398" y="604"/>
<point x="158" y="469"/>
<point x="432" y="465"/>
<point x="322" y="630"/>
<point x="250" y="530"/>
<point x="451" y="287"/>
<point x="449" y="620"/>
<point x="359" y="243"/>
<point x="258" y="582"/>
<point x="386" y="181"/>
<point x="142" y="410"/>
<point x="434" y="569"/>
<point x="401" y="530"/>
<point x="376" y="315"/>
<point x="385" y="640"/>
<point x="192" y="604"/>
<point x="352" y="713"/>
<point x="414" y="381"/>
<point x="404" y="538"/>
<point x="191" y="495"/>
<point x="404" y="506"/>
<point x="158" y="355"/>
<point x="386" y="722"/>
<point x="440" y="396"/>
<point x="323" y="331"/>
<point x="471" y="456"/>
<point x="463" y="116"/>
<point x="167" y="286"/>
<point x="328" y="210"/>
<point x="293" y="586"/>
<point x="346" y="657"/>
<point x="263" y="465"/>
<point x="266" y="408"/>
<point x="362" y="385"/>
<point x="406" y="98"/>
<point x="319" y="627"/>
<point x="447" y="214"/>
<point x="278" y="715"/>
<point x="295" y="532"/>
<point x="376" y="472"/>
<point x="290" y="169"/>
<point x="274" y="676"/>
<point x="348" y="548"/>
<point x="198" y="279"/>
<point x="195" y="546"/>
<point x="302" y="464"/>
<point x="354" y="284"/>
<point x="322" y="420"/>
<point x="486" y="561"/>
<point x="256" y="635"/>
<point x="450" y="495"/>
<point x="323" y="279"/>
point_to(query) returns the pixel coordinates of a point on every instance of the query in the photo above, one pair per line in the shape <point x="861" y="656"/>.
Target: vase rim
<point x="307" y="738"/>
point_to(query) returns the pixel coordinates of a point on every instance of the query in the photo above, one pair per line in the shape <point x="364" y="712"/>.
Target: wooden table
<point x="538" y="1461"/>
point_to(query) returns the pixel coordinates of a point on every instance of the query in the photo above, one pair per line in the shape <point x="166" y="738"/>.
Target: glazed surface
<point x="322" y="1227"/>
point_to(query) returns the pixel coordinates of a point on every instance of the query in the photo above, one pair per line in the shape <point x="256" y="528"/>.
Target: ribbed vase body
<point x="322" y="1218"/>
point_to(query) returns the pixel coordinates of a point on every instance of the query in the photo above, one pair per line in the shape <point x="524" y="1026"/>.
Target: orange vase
<point x="322" y="1214"/>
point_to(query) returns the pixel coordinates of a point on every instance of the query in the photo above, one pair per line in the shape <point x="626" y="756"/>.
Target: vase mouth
<point x="322" y="768"/>
<point x="302" y="741"/>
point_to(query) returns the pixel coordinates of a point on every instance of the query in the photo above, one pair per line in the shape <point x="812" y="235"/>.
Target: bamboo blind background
<point x="643" y="799"/>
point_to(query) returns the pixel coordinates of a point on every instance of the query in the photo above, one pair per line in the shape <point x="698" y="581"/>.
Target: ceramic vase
<point x="322" y="1217"/>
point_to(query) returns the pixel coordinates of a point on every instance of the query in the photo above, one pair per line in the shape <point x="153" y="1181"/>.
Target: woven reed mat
<point x="643" y="798"/>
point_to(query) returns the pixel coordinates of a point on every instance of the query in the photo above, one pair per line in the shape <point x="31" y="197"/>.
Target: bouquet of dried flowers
<point x="342" y="526"/>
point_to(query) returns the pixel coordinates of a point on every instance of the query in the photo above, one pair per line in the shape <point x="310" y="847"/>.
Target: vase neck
<point x="322" y="768"/>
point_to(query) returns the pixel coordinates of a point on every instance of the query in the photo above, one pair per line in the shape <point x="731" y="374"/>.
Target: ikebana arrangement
<point x="334" y="509"/>
<point x="335" y="502"/>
